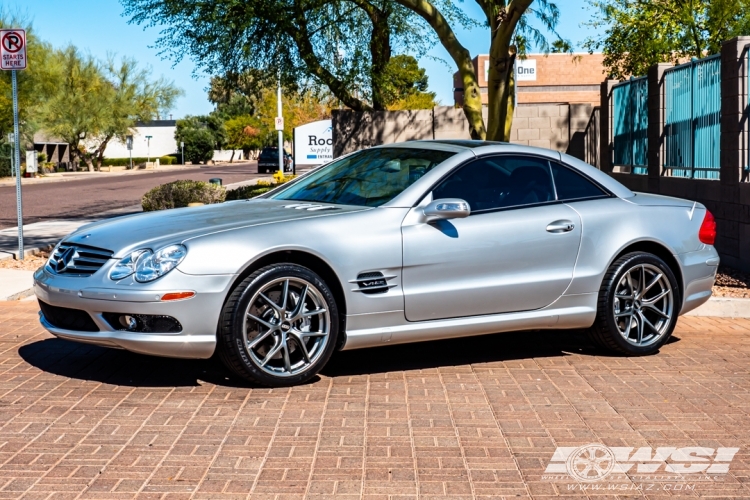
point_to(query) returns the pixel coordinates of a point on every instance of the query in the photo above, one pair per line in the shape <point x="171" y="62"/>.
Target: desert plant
<point x="257" y="189"/>
<point x="179" y="193"/>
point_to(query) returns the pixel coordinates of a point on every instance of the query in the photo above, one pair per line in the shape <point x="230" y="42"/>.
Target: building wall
<point x="568" y="78"/>
<point x="554" y="126"/>
<point x="162" y="141"/>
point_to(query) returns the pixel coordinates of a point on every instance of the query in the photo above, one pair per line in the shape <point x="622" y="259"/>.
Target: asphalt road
<point x="88" y="196"/>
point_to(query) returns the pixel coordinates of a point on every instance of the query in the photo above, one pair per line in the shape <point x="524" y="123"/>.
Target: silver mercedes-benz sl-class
<point x="400" y="243"/>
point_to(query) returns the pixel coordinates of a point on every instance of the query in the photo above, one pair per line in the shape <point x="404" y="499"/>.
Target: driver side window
<point x="499" y="182"/>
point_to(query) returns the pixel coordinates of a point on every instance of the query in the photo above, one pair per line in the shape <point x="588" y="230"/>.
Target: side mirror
<point x="446" y="208"/>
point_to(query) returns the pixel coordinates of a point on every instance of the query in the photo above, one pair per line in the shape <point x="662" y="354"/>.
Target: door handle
<point x="560" y="226"/>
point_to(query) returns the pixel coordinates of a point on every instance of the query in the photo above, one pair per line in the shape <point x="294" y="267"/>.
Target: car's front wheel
<point x="639" y="302"/>
<point x="279" y="326"/>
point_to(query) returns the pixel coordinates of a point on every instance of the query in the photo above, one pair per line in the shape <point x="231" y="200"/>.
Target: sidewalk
<point x="43" y="234"/>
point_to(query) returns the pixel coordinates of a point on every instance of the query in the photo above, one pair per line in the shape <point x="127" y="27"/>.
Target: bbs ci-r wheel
<point x="279" y="326"/>
<point x="638" y="305"/>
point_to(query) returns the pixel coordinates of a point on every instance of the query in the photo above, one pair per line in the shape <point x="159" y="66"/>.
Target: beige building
<point x="546" y="78"/>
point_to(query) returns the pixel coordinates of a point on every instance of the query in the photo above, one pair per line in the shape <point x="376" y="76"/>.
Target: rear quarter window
<point x="570" y="185"/>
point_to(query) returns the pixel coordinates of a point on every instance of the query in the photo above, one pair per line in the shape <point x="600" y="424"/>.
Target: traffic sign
<point x="13" y="49"/>
<point x="279" y="121"/>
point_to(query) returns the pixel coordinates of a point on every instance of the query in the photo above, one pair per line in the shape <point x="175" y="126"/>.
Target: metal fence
<point x="630" y="124"/>
<point x="592" y="139"/>
<point x="692" y="121"/>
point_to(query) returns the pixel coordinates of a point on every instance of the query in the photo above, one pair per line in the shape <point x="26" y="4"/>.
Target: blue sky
<point x="97" y="27"/>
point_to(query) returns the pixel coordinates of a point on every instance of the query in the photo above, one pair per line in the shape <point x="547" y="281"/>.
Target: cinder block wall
<point x="554" y="126"/>
<point x="728" y="198"/>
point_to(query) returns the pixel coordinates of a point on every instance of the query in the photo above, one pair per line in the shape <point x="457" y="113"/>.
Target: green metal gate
<point x="693" y="118"/>
<point x="630" y="124"/>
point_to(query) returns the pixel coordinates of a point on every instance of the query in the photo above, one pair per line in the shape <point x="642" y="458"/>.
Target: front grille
<point x="77" y="260"/>
<point x="68" y="319"/>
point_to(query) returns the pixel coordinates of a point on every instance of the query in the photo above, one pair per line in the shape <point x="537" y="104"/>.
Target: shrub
<point x="123" y="162"/>
<point x="257" y="189"/>
<point x="247" y="192"/>
<point x="179" y="193"/>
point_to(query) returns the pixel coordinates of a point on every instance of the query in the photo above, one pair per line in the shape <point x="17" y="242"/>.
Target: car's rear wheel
<point x="639" y="302"/>
<point x="279" y="326"/>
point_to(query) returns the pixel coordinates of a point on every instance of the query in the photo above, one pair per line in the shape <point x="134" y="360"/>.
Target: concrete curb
<point x="26" y="251"/>
<point x="723" y="307"/>
<point x="20" y="295"/>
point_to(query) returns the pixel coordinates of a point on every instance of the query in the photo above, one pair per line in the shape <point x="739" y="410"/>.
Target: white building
<point x="160" y="143"/>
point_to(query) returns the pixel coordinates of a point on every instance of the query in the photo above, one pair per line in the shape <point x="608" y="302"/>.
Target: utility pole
<point x="280" y="127"/>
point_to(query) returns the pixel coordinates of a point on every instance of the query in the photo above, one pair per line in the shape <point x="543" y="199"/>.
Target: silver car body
<point x="501" y="271"/>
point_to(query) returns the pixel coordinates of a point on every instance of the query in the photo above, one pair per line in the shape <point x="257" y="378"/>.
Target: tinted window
<point x="499" y="182"/>
<point x="571" y="185"/>
<point x="367" y="178"/>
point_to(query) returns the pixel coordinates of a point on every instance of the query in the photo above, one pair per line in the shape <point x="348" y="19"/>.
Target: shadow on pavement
<point x="462" y="351"/>
<point x="118" y="367"/>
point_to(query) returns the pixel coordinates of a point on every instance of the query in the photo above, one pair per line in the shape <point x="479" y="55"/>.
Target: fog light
<point x="128" y="322"/>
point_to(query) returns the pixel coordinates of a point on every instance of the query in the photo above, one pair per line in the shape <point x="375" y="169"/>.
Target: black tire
<point x="245" y="361"/>
<point x="607" y="331"/>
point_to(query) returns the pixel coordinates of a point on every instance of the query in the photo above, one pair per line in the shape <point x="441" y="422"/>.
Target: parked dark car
<point x="268" y="161"/>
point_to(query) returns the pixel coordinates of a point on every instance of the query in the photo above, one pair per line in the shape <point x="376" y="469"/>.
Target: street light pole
<point x="281" y="132"/>
<point x="148" y="148"/>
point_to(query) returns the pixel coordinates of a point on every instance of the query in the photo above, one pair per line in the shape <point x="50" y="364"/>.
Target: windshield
<point x="368" y="178"/>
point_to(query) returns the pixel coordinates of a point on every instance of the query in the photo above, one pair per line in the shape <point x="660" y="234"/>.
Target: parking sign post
<point x="13" y="58"/>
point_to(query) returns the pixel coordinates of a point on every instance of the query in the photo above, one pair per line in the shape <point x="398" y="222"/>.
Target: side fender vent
<point x="372" y="283"/>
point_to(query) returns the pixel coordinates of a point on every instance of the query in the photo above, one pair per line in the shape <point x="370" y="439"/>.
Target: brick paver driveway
<point x="467" y="418"/>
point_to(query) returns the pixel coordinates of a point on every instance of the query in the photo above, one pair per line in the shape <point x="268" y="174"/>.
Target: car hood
<point x="124" y="234"/>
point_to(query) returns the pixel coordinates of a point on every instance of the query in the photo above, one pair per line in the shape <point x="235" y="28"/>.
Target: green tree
<point x="640" y="33"/>
<point x="407" y="85"/>
<point x="133" y="96"/>
<point x="36" y="85"/>
<point x="243" y="132"/>
<point x="78" y="111"/>
<point x="201" y="135"/>
<point x="510" y="33"/>
<point x="344" y="45"/>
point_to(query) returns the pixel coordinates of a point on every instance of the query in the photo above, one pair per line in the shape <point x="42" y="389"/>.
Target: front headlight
<point x="125" y="267"/>
<point x="147" y="265"/>
<point x="154" y="265"/>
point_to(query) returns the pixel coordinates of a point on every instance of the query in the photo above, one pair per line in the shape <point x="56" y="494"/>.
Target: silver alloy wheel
<point x="643" y="305"/>
<point x="286" y="326"/>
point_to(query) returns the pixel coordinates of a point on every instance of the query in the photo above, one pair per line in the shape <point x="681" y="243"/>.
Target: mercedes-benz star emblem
<point x="61" y="263"/>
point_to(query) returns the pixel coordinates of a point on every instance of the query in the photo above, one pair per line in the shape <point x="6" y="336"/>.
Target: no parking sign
<point x="13" y="58"/>
<point x="13" y="49"/>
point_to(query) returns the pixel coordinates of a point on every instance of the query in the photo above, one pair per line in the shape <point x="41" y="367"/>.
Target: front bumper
<point x="198" y="315"/>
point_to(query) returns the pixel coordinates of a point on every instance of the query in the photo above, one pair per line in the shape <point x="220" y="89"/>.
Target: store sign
<point x="313" y="143"/>
<point x="525" y="70"/>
